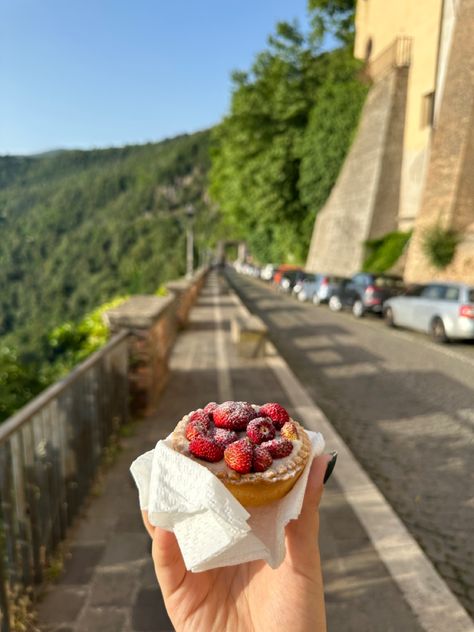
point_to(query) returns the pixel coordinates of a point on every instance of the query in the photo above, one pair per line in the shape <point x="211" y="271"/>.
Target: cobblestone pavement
<point x="404" y="407"/>
<point x="109" y="584"/>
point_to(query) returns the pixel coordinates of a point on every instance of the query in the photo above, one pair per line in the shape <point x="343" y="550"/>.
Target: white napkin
<point x="212" y="528"/>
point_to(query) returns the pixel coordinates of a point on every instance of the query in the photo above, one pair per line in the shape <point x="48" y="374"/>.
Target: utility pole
<point x="190" y="241"/>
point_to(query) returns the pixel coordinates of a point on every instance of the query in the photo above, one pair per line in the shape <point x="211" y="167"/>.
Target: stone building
<point x="409" y="166"/>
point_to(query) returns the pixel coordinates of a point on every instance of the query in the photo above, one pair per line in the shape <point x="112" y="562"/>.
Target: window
<point x="470" y="295"/>
<point x="427" y="109"/>
<point x="388" y="281"/>
<point x="434" y="292"/>
<point x="452" y="294"/>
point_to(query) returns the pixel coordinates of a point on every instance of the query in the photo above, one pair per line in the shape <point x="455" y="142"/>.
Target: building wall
<point x="381" y="21"/>
<point x="448" y="197"/>
<point x="364" y="201"/>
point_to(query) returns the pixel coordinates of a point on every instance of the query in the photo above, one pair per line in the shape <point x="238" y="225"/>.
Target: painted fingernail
<point x="330" y="466"/>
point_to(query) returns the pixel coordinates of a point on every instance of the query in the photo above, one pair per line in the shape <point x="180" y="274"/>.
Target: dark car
<point x="366" y="292"/>
<point x="290" y="278"/>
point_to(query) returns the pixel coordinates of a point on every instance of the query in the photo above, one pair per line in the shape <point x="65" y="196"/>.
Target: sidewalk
<point x="108" y="584"/>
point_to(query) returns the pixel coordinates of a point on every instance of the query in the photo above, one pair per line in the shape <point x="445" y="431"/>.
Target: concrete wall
<point x="364" y="202"/>
<point x="382" y="22"/>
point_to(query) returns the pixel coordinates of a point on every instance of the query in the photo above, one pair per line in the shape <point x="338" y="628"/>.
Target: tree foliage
<point x="277" y="153"/>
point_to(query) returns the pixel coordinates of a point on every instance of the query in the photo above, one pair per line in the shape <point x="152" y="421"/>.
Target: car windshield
<point x="383" y="281"/>
<point x="414" y="290"/>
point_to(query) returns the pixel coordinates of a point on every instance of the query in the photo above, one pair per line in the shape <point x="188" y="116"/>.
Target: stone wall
<point x="364" y="202"/>
<point x="153" y="323"/>
<point x="448" y="198"/>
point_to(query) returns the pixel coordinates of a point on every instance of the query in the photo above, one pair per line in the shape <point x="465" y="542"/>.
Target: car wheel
<point x="301" y="296"/>
<point x="335" y="304"/>
<point x="388" y="317"/>
<point x="316" y="299"/>
<point x="358" y="308"/>
<point x="438" y="332"/>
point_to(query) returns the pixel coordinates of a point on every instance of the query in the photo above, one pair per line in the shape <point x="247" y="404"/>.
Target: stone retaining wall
<point x="153" y="323"/>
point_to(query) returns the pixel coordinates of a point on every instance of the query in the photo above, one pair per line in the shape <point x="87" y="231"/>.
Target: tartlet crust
<point x="257" y="488"/>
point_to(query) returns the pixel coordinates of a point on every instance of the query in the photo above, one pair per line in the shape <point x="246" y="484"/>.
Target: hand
<point x="249" y="597"/>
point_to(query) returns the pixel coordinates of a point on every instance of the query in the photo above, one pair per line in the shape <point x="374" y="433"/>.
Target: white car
<point x="444" y="310"/>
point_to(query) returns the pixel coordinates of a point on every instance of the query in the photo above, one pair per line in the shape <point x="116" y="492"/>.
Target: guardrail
<point x="49" y="454"/>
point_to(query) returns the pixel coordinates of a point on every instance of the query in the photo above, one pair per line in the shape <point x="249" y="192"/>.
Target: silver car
<point x="444" y="310"/>
<point x="319" y="288"/>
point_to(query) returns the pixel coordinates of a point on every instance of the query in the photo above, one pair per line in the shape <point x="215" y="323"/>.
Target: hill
<point x="79" y="227"/>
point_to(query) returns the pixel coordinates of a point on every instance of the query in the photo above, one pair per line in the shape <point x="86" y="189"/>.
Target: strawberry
<point x="239" y="456"/>
<point x="224" y="437"/>
<point x="200" y="415"/>
<point x="278" y="448"/>
<point x="206" y="449"/>
<point x="289" y="431"/>
<point x="199" y="424"/>
<point x="261" y="459"/>
<point x="276" y="413"/>
<point x="195" y="429"/>
<point x="233" y="415"/>
<point x="210" y="408"/>
<point x="260" y="429"/>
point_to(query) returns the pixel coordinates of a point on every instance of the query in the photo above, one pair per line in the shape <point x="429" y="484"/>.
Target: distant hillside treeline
<point x="79" y="227"/>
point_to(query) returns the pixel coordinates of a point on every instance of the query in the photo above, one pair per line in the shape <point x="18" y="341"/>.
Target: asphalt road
<point x="404" y="405"/>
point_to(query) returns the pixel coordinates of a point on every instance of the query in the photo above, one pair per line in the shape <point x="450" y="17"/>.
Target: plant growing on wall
<point x="439" y="245"/>
<point x="384" y="252"/>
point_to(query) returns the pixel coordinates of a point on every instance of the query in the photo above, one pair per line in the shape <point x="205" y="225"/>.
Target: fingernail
<point x="330" y="466"/>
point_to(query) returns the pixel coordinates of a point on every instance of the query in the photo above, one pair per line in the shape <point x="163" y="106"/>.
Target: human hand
<point x="251" y="596"/>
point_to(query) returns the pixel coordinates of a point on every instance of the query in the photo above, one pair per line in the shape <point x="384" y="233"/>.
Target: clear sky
<point x="94" y="73"/>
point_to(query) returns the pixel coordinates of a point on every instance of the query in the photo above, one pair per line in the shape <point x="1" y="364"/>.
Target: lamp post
<point x="190" y="241"/>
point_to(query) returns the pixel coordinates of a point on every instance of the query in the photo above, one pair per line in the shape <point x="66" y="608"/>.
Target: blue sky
<point x="94" y="73"/>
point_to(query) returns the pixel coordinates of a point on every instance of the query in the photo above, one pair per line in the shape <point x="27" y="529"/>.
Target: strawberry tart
<point x="258" y="452"/>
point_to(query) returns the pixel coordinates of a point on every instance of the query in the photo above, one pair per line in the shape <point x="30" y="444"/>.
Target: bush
<point x="384" y="252"/>
<point x="439" y="245"/>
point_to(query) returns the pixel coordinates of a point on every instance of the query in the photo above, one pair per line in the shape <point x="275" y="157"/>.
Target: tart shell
<point x="258" y="488"/>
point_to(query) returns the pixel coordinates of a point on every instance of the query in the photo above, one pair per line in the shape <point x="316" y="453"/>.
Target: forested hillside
<point x="79" y="227"/>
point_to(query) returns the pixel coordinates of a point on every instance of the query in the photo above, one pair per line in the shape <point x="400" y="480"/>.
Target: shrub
<point x="439" y="245"/>
<point x="382" y="253"/>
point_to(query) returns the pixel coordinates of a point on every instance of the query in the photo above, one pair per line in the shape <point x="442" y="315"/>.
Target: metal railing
<point x="396" y="55"/>
<point x="49" y="454"/>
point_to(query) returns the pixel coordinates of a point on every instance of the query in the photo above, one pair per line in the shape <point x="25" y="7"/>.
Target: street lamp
<point x="190" y="241"/>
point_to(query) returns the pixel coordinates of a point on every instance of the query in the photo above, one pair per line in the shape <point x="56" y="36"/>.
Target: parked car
<point x="319" y="288"/>
<point x="268" y="271"/>
<point x="366" y="292"/>
<point x="308" y="279"/>
<point x="444" y="310"/>
<point x="280" y="271"/>
<point x="290" y="278"/>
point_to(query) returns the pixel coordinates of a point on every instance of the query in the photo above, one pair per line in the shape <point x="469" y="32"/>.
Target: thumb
<point x="305" y="527"/>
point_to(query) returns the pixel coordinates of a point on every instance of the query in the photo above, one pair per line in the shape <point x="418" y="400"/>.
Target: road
<point x="405" y="407"/>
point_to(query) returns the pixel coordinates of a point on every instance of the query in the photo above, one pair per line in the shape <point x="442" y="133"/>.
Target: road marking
<point x="224" y="382"/>
<point x="430" y="598"/>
